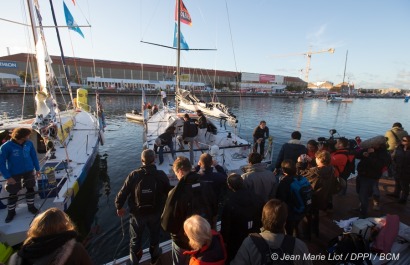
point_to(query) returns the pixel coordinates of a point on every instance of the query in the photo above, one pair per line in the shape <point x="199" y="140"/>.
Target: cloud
<point x="316" y="38"/>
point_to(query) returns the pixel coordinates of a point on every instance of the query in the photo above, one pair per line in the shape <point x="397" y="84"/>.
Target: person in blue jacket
<point x="18" y="159"/>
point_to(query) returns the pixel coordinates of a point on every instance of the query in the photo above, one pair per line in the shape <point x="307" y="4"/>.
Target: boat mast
<point x="67" y="78"/>
<point x="178" y="81"/>
<point x="344" y="73"/>
<point x="33" y="21"/>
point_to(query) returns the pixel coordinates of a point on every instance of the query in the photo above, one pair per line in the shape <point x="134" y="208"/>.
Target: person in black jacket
<point x="214" y="174"/>
<point x="322" y="179"/>
<point x="260" y="134"/>
<point x="402" y="163"/>
<point x="190" y="131"/>
<point x="202" y="126"/>
<point x="163" y="140"/>
<point x="150" y="216"/>
<point x="241" y="215"/>
<point x="284" y="193"/>
<point x="290" y="150"/>
<point x="374" y="158"/>
<point x="190" y="196"/>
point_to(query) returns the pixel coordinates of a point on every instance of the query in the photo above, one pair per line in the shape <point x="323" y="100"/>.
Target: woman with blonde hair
<point x="207" y="244"/>
<point x="51" y="240"/>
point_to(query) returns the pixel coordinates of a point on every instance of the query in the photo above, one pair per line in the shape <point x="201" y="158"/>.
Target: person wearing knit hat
<point x="394" y="135"/>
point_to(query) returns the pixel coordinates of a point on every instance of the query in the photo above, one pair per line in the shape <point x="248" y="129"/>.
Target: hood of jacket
<point x="259" y="167"/>
<point x="39" y="247"/>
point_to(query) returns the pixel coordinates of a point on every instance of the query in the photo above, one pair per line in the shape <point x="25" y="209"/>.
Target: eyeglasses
<point x="404" y="140"/>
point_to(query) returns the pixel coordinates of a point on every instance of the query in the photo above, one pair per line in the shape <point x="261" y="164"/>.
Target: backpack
<point x="287" y="247"/>
<point x="193" y="129"/>
<point x="347" y="245"/>
<point x="146" y="191"/>
<point x="301" y="194"/>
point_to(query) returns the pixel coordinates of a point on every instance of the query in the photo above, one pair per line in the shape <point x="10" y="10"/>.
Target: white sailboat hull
<point x="228" y="149"/>
<point x="134" y="117"/>
<point x="82" y="145"/>
<point x="190" y="102"/>
<point x="214" y="112"/>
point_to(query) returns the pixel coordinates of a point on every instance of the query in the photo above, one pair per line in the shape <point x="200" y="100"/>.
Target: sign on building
<point x="5" y="64"/>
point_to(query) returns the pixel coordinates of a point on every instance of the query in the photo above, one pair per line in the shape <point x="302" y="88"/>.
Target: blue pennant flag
<point x="184" y="45"/>
<point x="70" y="21"/>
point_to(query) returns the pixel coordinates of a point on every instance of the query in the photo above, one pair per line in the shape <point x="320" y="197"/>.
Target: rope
<point x="123" y="236"/>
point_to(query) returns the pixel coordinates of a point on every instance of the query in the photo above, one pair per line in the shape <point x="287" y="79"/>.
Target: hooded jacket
<point x="392" y="140"/>
<point x="372" y="165"/>
<point x="214" y="254"/>
<point x="241" y="215"/>
<point x="260" y="180"/>
<point x="188" y="197"/>
<point x="291" y="150"/>
<point x="18" y="158"/>
<point x="58" y="249"/>
<point x="322" y="180"/>
<point x="402" y="161"/>
<point x="127" y="191"/>
<point x="248" y="253"/>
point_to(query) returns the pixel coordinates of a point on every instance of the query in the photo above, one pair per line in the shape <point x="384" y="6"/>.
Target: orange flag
<point x="185" y="16"/>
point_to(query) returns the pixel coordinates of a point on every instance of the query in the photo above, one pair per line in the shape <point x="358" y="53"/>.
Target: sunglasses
<point x="404" y="140"/>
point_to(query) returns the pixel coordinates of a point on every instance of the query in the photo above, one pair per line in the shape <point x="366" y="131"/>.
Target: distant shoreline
<point x="219" y="94"/>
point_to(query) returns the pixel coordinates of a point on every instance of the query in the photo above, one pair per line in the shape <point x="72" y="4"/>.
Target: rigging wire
<point x="119" y="244"/>
<point x="24" y="92"/>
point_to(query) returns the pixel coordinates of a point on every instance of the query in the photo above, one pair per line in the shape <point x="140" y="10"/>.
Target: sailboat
<point x="223" y="143"/>
<point x="225" y="146"/>
<point x="189" y="101"/>
<point x="66" y="141"/>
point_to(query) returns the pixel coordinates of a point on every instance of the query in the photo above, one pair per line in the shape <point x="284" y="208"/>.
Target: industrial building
<point x="126" y="76"/>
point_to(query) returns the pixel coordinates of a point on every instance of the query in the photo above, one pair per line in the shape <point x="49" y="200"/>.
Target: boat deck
<point x="342" y="211"/>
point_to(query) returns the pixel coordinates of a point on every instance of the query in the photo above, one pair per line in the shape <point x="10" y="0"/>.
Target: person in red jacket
<point x="340" y="158"/>
<point x="207" y="245"/>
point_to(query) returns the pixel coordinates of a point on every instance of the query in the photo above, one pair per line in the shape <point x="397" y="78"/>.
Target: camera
<point x="329" y="143"/>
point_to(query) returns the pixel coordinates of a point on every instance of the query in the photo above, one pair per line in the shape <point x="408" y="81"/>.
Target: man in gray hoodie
<point x="258" y="179"/>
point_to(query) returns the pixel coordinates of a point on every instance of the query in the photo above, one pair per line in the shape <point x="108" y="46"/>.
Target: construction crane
<point x="309" y="57"/>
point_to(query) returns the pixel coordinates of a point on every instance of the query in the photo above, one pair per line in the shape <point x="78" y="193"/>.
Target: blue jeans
<point x="178" y="258"/>
<point x="137" y="227"/>
<point x="161" y="152"/>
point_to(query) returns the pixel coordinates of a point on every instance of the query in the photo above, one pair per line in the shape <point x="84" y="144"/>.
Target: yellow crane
<point x="309" y="57"/>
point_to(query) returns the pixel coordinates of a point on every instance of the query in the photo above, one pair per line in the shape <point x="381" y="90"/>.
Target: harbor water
<point x="106" y="235"/>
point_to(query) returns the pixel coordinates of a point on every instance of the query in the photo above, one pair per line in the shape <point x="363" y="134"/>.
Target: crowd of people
<point x="258" y="210"/>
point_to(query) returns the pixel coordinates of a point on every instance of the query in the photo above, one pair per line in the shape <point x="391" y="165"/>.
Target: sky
<point x="256" y="36"/>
